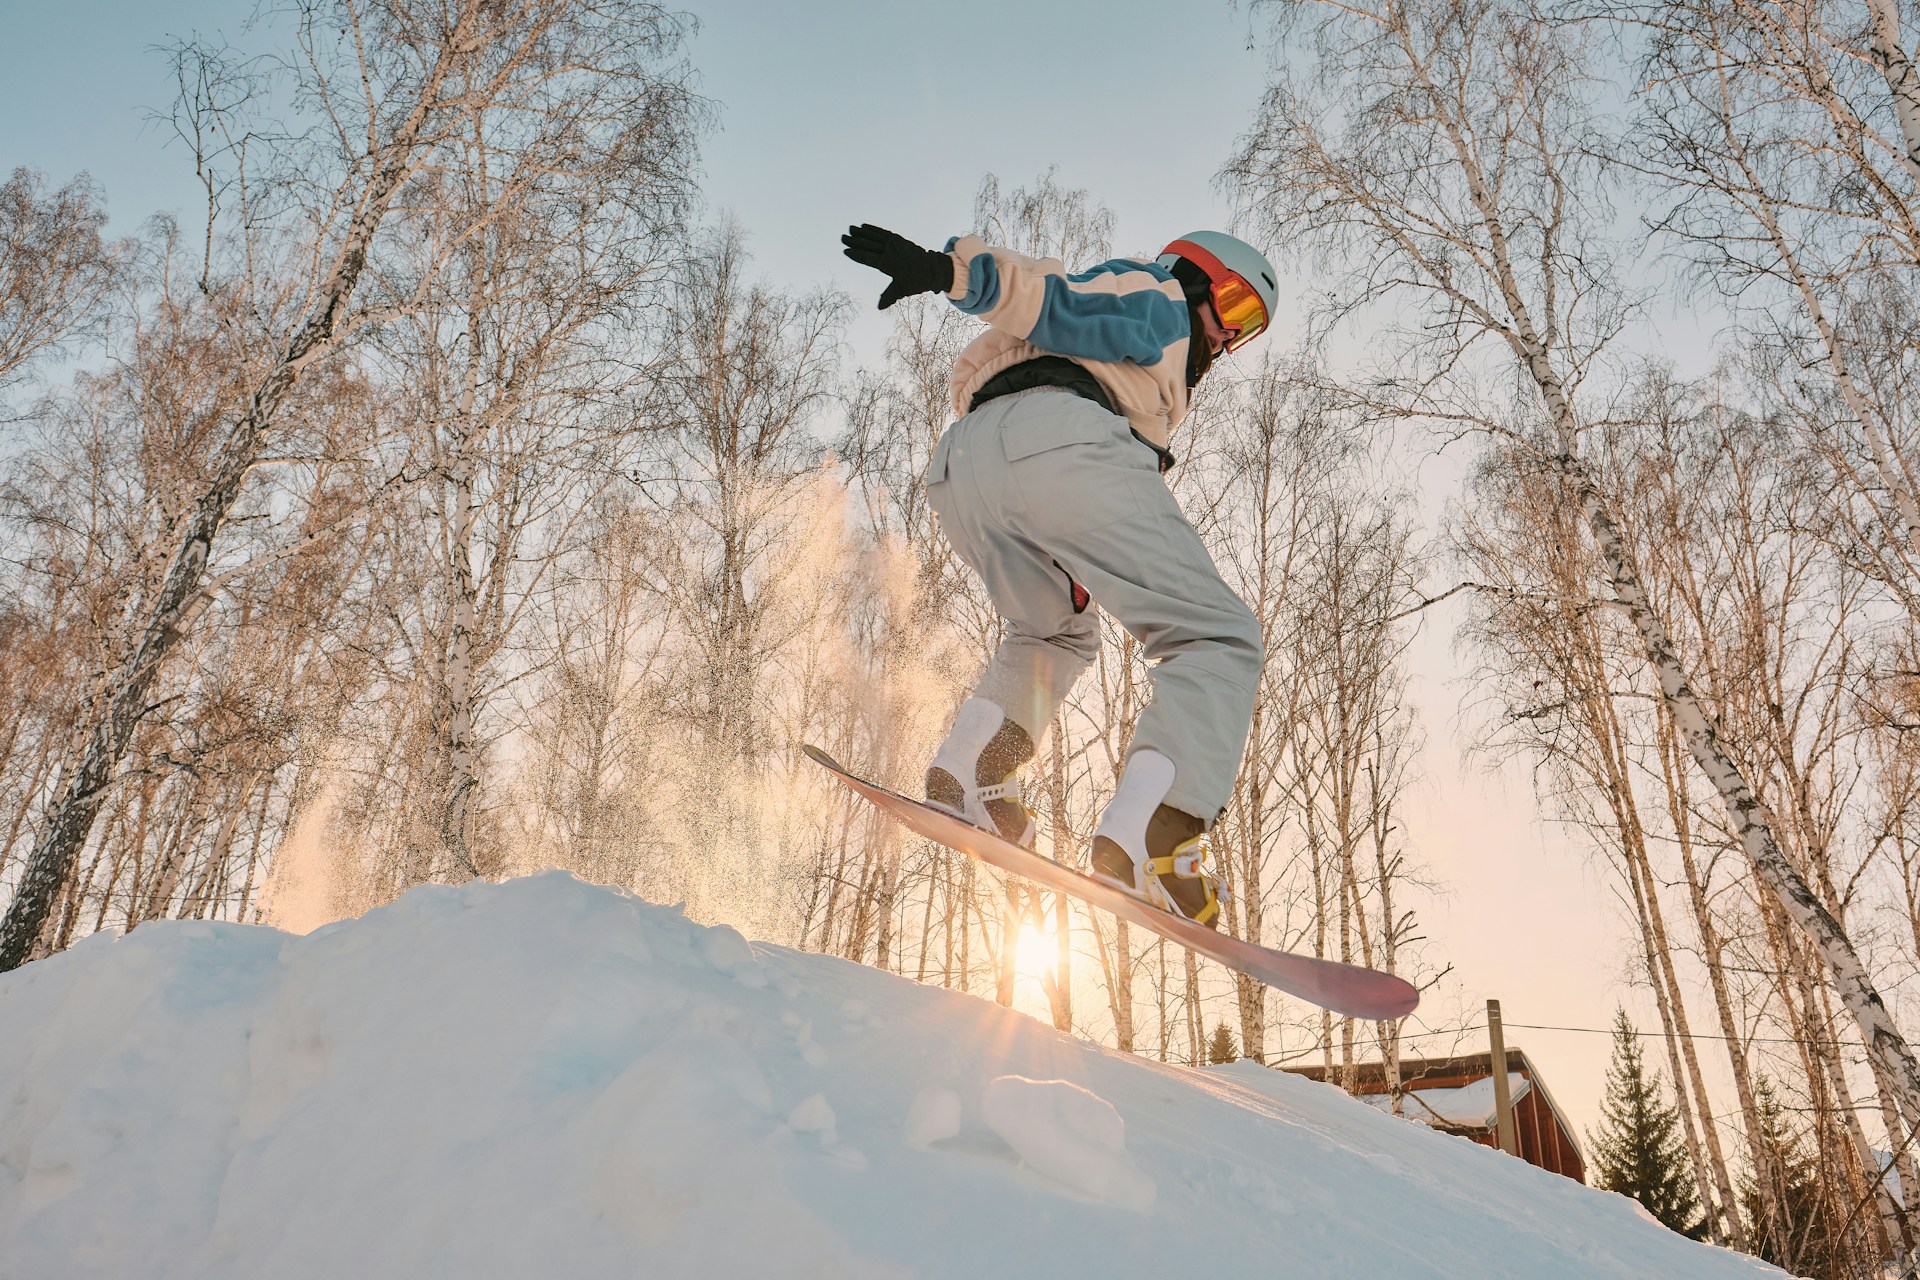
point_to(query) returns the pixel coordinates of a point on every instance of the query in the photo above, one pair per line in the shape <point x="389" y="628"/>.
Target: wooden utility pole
<point x="1502" y="1102"/>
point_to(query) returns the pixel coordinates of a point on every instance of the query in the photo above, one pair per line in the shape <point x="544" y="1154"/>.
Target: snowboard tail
<point x="1343" y="988"/>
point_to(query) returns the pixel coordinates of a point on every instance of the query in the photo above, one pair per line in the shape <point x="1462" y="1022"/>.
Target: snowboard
<point x="1343" y="988"/>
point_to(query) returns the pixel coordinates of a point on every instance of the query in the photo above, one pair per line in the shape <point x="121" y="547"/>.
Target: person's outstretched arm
<point x="1117" y="311"/>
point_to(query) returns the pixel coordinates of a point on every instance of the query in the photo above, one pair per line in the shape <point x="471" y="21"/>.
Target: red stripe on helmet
<point x="1215" y="269"/>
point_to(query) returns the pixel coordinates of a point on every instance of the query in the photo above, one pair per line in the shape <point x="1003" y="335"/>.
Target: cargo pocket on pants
<point x="1073" y="466"/>
<point x="1025" y="436"/>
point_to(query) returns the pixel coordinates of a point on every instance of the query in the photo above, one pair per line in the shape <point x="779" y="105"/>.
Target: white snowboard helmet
<point x="1245" y="291"/>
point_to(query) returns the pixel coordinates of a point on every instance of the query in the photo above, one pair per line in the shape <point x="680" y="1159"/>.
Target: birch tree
<point x="57" y="274"/>
<point x="538" y="245"/>
<point x="1455" y="180"/>
<point x="1300" y="528"/>
<point x="388" y="89"/>
<point x="106" y="469"/>
<point x="1558" y="668"/>
<point x="592" y="714"/>
<point x="1779" y="140"/>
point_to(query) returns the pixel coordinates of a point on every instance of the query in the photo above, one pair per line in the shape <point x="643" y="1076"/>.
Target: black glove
<point x="914" y="270"/>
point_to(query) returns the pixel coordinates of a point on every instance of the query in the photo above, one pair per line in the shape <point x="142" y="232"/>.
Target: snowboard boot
<point x="1153" y="850"/>
<point x="973" y="775"/>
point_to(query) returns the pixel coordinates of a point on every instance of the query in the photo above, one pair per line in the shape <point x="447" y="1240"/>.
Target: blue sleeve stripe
<point x="1109" y="327"/>
<point x="983" y="285"/>
<point x="1120" y="267"/>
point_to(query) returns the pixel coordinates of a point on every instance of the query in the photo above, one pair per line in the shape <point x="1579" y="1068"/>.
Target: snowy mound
<point x="544" y="1078"/>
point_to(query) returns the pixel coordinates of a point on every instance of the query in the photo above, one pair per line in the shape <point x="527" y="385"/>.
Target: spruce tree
<point x="1800" y="1238"/>
<point x="1222" y="1048"/>
<point x="1637" y="1150"/>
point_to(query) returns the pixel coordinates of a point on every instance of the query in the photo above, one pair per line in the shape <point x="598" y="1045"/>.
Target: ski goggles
<point x="1242" y="314"/>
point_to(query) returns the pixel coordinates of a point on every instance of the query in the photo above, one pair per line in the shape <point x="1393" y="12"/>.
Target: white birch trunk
<point x="966" y="928"/>
<point x="1903" y="83"/>
<point x="1387" y="1033"/>
<point x="1892" y="1227"/>
<point x="1196" y="1017"/>
<point x="462" y="775"/>
<point x="1702" y="1141"/>
<point x="886" y="896"/>
<point x="1746" y="815"/>
<point x="1250" y="995"/>
<point x="1716" y="1193"/>
<point x="1712" y="947"/>
<point x="1116" y="963"/>
<point x="1904" y="1166"/>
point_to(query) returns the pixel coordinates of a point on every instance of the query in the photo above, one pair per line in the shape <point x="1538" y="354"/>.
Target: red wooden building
<point x="1455" y="1095"/>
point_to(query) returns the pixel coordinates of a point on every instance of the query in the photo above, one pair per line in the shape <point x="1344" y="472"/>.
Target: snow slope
<point x="545" y="1078"/>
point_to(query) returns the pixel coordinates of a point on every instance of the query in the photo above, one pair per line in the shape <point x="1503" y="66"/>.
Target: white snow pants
<point x="1042" y="489"/>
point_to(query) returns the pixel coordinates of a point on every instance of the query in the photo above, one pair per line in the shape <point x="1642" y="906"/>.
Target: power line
<point x="1609" y="1031"/>
<point x="1691" y="1035"/>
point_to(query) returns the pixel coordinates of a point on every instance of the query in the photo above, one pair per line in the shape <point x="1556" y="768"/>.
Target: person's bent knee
<point x="1081" y="636"/>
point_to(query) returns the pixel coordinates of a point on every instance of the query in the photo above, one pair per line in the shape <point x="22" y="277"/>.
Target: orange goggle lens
<point x="1242" y="314"/>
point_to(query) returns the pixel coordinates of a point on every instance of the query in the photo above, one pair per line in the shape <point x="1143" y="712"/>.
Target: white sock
<point x="1144" y="784"/>
<point x="973" y="728"/>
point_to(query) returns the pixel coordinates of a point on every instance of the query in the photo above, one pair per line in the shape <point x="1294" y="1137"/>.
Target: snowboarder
<point x="1049" y="486"/>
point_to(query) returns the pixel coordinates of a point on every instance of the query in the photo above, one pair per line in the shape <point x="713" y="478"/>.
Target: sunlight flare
<point x="1033" y="954"/>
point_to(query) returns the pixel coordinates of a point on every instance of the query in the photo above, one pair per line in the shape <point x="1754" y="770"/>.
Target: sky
<point x="836" y="111"/>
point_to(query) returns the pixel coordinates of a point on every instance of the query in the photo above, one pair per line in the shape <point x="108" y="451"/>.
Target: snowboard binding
<point x="1178" y="881"/>
<point x="1153" y="851"/>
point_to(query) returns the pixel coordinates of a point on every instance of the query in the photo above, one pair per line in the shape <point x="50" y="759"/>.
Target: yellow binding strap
<point x="1161" y="867"/>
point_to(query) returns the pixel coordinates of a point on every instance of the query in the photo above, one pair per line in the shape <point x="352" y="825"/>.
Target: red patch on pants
<point x="1081" y="599"/>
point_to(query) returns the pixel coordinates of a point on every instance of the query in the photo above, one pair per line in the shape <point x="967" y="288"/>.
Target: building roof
<point x="1466" y="1106"/>
<point x="1450" y="1085"/>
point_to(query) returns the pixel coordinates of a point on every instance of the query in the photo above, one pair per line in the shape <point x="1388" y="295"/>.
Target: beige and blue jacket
<point x="1125" y="321"/>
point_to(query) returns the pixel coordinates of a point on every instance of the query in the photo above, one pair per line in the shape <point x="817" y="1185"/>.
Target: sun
<point x="1033" y="954"/>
